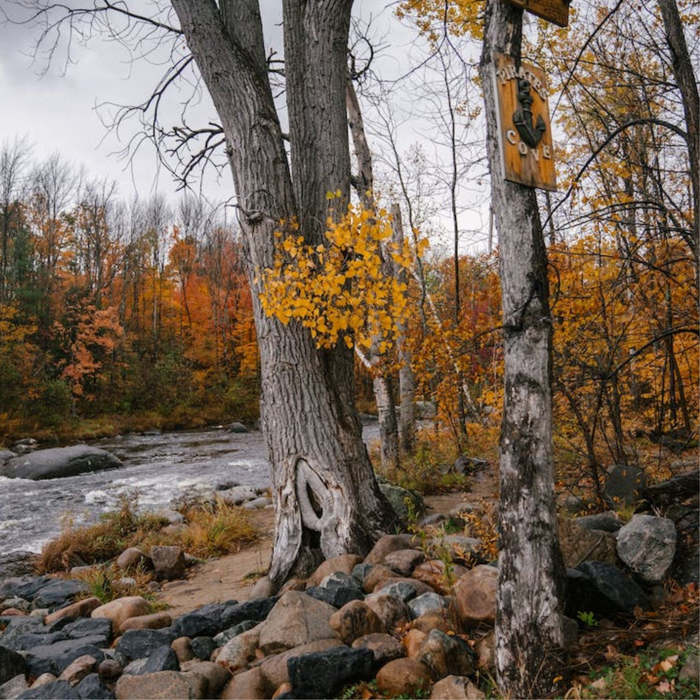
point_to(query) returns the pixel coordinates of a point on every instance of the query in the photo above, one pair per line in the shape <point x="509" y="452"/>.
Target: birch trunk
<point x="327" y="501"/>
<point x="529" y="637"/>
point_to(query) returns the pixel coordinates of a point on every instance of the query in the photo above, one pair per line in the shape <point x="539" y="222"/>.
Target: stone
<point x="55" y="690"/>
<point x="623" y="484"/>
<point x="579" y="543"/>
<point x="262" y="588"/>
<point x="9" y="612"/>
<point x="164" y="685"/>
<point x="413" y="640"/>
<point x="92" y="687"/>
<point x="11" y="664"/>
<point x="18" y="603"/>
<point x="443" y="654"/>
<point x="486" y="650"/>
<point x="384" y="647"/>
<point x="132" y="558"/>
<point x="602" y="589"/>
<point x="154" y="621"/>
<point x="240" y="651"/>
<point x="376" y="576"/>
<point x="137" y="644"/>
<point x="249" y="685"/>
<point x="354" y="620"/>
<point x="475" y="595"/>
<point x="390" y="610"/>
<point x="337" y="589"/>
<point x="9" y="690"/>
<point x="237" y="495"/>
<point x="58" y="593"/>
<point x="437" y="619"/>
<point x="237" y="427"/>
<point x="228" y="634"/>
<point x="647" y="544"/>
<point x="293" y="584"/>
<point x="202" y="647"/>
<point x="284" y="691"/>
<point x="275" y="668"/>
<point x="404" y="677"/>
<point x="460" y="546"/>
<point x="360" y="571"/>
<point x="18" y="563"/>
<point x="182" y="646"/>
<point x="295" y="619"/>
<point x="456" y="688"/>
<point x="121" y="609"/>
<point x="160" y="659"/>
<point x="55" y="658"/>
<point x="78" y="669"/>
<point x="217" y="676"/>
<point x="110" y="670"/>
<point x="432" y="519"/>
<point x="260" y="502"/>
<point x="44" y="679"/>
<point x="98" y="628"/>
<point x="428" y="602"/>
<point x="81" y="608"/>
<point x="23" y="586"/>
<point x="690" y="671"/>
<point x="345" y="563"/>
<point x="608" y="521"/>
<point x="386" y="544"/>
<point x="404" y="588"/>
<point x="433" y="573"/>
<point x="322" y="674"/>
<point x="403" y="501"/>
<point x="168" y="562"/>
<point x="60" y="462"/>
<point x="404" y="561"/>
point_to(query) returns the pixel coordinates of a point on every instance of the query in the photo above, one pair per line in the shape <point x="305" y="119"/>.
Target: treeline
<point x="111" y="308"/>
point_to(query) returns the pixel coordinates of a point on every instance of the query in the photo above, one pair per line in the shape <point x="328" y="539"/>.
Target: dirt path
<point x="232" y="576"/>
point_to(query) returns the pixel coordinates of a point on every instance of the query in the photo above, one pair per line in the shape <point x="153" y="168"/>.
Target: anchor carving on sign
<point x="530" y="133"/>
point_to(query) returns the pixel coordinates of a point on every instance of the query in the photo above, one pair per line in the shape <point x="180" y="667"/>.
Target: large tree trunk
<point x="529" y="637"/>
<point x="327" y="501"/>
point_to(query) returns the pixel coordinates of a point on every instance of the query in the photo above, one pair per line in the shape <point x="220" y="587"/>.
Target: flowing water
<point x="157" y="467"/>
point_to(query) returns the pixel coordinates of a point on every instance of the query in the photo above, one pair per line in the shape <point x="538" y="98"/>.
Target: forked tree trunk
<point x="529" y="637"/>
<point x="327" y="501"/>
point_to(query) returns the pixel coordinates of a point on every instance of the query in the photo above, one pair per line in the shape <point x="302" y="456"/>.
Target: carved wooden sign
<point x="525" y="134"/>
<point x="556" y="11"/>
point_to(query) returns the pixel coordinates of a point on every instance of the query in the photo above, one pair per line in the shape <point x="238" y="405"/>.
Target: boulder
<point x="249" y="685"/>
<point x="23" y="586"/>
<point x="259" y="502"/>
<point x="19" y="563"/>
<point x="647" y="544"/>
<point x="486" y="650"/>
<point x="404" y="561"/>
<point x="121" y="609"/>
<point x="55" y="690"/>
<point x="322" y="674"/>
<point x="11" y="664"/>
<point x="275" y="668"/>
<point x="168" y="562"/>
<point x="443" y="654"/>
<point x="237" y="427"/>
<point x="78" y="669"/>
<point x="97" y="628"/>
<point x="437" y="619"/>
<point x="228" y="634"/>
<point x="405" y="677"/>
<point x="384" y="647"/>
<point x="81" y="608"/>
<point x="475" y="595"/>
<point x="16" y="603"/>
<point x="240" y="651"/>
<point x="217" y="676"/>
<point x="375" y="577"/>
<point x="295" y="619"/>
<point x="132" y="558"/>
<point x="404" y="588"/>
<point x="459" y="546"/>
<point x="390" y="610"/>
<point x="608" y="521"/>
<point x="165" y="685"/>
<point x="92" y="687"/>
<point x="579" y="543"/>
<point x="237" y="495"/>
<point x="55" y="658"/>
<point x="355" y="619"/>
<point x="182" y="646"/>
<point x="160" y="659"/>
<point x="386" y="544"/>
<point x="9" y="690"/>
<point x="337" y="589"/>
<point x="456" y="688"/>
<point x="138" y="644"/>
<point x="110" y="670"/>
<point x="154" y="621"/>
<point x="434" y="573"/>
<point x="6" y="455"/>
<point x="428" y="602"/>
<point x="59" y="462"/>
<point x="58" y="593"/>
<point x="623" y="484"/>
<point x="202" y="647"/>
<point x="344" y="563"/>
<point x="403" y="501"/>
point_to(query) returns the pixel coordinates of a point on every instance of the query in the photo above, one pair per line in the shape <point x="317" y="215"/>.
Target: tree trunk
<point x="327" y="501"/>
<point x="529" y="636"/>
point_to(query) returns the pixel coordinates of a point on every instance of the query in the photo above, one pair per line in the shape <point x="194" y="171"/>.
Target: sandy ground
<point x="232" y="577"/>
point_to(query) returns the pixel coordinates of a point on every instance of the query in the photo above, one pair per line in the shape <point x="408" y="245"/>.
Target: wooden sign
<point x="556" y="11"/>
<point x="524" y="130"/>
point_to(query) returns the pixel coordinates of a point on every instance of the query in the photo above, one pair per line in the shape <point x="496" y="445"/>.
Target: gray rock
<point x="691" y="668"/>
<point x="602" y="589"/>
<point x="228" y="634"/>
<point x="89" y="627"/>
<point x="24" y="586"/>
<point x="237" y="427"/>
<point x="17" y="603"/>
<point x="623" y="484"/>
<point x="432" y="519"/>
<point x="428" y="602"/>
<point x="360" y="571"/>
<point x="13" y="688"/>
<point x="59" y="462"/>
<point x="337" y="589"/>
<point x="55" y="658"/>
<point x="237" y="495"/>
<point x="20" y="563"/>
<point x="398" y="498"/>
<point x="58" y="593"/>
<point x="202" y="647"/>
<point x="56" y="690"/>
<point x="608" y="521"/>
<point x="6" y="455"/>
<point x="92" y="687"/>
<point x="400" y="589"/>
<point x="11" y="664"/>
<point x="138" y="644"/>
<point x="160" y="659"/>
<point x="135" y="667"/>
<point x="17" y="627"/>
<point x="260" y="502"/>
<point x="647" y="545"/>
<point x="168" y="562"/>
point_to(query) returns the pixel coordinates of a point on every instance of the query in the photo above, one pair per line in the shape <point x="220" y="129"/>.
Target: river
<point x="158" y="467"/>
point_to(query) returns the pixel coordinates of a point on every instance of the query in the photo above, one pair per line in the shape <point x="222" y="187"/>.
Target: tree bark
<point x="529" y="636"/>
<point x="327" y="501"/>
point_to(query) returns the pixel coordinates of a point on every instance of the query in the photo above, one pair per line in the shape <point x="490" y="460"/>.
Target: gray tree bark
<point x="529" y="638"/>
<point x="327" y="501"/>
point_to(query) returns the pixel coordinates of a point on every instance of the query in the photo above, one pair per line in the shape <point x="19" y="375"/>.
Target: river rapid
<point x="158" y="467"/>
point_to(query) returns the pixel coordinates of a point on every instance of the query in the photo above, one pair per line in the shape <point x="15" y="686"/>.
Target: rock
<point x="240" y="651"/>
<point x="460" y="546"/>
<point x="413" y="641"/>
<point x="92" y="687"/>
<point x="432" y="519"/>
<point x="355" y="619"/>
<point x="17" y="603"/>
<point x="249" y="685"/>
<point x="202" y="647"/>
<point x="579" y="543"/>
<point x="375" y="577"/>
<point x="81" y="608"/>
<point x="322" y="674"/>
<point x="404" y="561"/>
<point x="360" y="571"/>
<point x="134" y="668"/>
<point x="434" y="574"/>
<point x="225" y="636"/>
<point x="647" y="545"/>
<point x="54" y="690"/>
<point x="345" y="563"/>
<point x="337" y="589"/>
<point x="262" y="588"/>
<point x="110" y="670"/>
<point x="9" y="690"/>
<point x="237" y="427"/>
<point x="260" y="502"/>
<point x="690" y="671"/>
<point x="437" y="619"/>
<point x="602" y="589"/>
<point x="138" y="644"/>
<point x="160" y="659"/>
<point x="275" y="668"/>
<point x="23" y="586"/>
<point x="296" y="619"/>
<point x="6" y="455"/>
<point x="20" y="563"/>
<point x="211" y="619"/>
<point x="165" y="685"/>
<point x="98" y="628"/>
<point x="168" y="562"/>
<point x="608" y="521"/>
<point x="55" y="658"/>
<point x="390" y="610"/>
<point x="154" y="621"/>
<point x="386" y="544"/>
<point x="403" y="677"/>
<point x="384" y="647"/>
<point x="182" y="646"/>
<point x="623" y="484"/>
<point x="58" y="593"/>
<point x="404" y="588"/>
<point x="78" y="669"/>
<point x="475" y="595"/>
<point x="59" y="462"/>
<point x="132" y="558"/>
<point x="217" y="676"/>
<point x="284" y="691"/>
<point x="403" y="501"/>
<point x="456" y="688"/>
<point x="9" y="612"/>
<point x="428" y="602"/>
<point x="443" y="654"/>
<point x="11" y="664"/>
<point x="486" y="650"/>
<point x="237" y="495"/>
<point x="44" y="679"/>
<point x="121" y="609"/>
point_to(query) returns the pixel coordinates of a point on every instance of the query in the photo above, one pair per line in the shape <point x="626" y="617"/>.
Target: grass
<point x="107" y="583"/>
